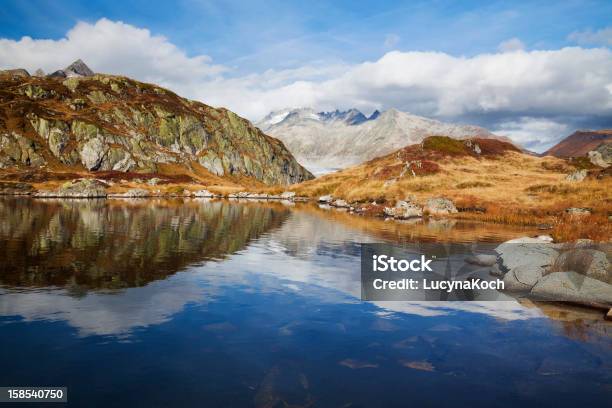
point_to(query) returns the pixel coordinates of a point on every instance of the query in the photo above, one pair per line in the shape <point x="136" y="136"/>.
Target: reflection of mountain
<point x="104" y="244"/>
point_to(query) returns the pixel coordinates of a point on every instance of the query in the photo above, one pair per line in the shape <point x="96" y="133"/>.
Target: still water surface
<point x="216" y="303"/>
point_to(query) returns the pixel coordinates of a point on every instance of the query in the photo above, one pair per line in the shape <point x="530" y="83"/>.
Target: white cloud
<point x="513" y="44"/>
<point x="534" y="133"/>
<point x="516" y="85"/>
<point x="111" y="47"/>
<point x="588" y="37"/>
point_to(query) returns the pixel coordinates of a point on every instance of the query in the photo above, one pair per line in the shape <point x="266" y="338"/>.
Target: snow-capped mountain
<point x="339" y="139"/>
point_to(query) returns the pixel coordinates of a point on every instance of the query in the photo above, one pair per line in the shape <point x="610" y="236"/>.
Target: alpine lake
<point x="219" y="303"/>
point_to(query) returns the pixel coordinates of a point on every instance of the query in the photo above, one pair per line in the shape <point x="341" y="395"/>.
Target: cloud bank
<point x="531" y="96"/>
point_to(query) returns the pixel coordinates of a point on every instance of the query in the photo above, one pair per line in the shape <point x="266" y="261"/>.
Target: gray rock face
<point x="572" y="287"/>
<point x="531" y="252"/>
<point x="440" y="206"/>
<point x="587" y="262"/>
<point x="92" y="153"/>
<point x="578" y="175"/>
<point x="404" y="210"/>
<point x="602" y="155"/>
<point x="81" y="188"/>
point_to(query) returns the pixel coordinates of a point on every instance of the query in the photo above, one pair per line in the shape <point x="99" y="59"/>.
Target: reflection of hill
<point x="107" y="244"/>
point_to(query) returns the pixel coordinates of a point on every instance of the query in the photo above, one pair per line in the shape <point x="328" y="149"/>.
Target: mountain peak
<point x="78" y="68"/>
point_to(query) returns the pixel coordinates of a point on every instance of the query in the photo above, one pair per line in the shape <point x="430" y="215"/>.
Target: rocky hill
<point x="75" y="121"/>
<point x="580" y="143"/>
<point x="337" y="139"/>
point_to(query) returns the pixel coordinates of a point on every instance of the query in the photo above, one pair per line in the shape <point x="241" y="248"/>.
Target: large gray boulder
<point x="602" y="155"/>
<point x="532" y="252"/>
<point x="587" y="262"/>
<point x="440" y="206"/>
<point x="572" y="287"/>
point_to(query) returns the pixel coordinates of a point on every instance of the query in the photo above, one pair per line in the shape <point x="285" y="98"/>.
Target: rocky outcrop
<point x="404" y="210"/>
<point x="109" y="123"/>
<point x="602" y="155"/>
<point x="577" y="175"/>
<point x="572" y="287"/>
<point x="82" y="188"/>
<point x="577" y="272"/>
<point x="440" y="206"/>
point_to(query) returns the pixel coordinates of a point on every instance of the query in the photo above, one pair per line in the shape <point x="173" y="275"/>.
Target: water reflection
<point x="115" y="244"/>
<point x="257" y="304"/>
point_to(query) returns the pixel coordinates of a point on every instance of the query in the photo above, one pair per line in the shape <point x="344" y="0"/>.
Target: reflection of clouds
<point x="105" y="313"/>
<point x="307" y="251"/>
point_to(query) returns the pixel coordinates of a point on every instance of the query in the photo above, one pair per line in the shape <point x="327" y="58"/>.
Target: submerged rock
<point x="482" y="260"/>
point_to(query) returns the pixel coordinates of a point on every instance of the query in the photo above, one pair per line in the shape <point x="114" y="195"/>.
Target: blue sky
<point x="252" y="35"/>
<point x="258" y="56"/>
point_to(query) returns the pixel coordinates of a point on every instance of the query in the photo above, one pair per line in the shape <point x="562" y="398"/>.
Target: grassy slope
<point x="513" y="187"/>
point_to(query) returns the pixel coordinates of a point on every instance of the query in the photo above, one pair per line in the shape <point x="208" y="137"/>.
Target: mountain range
<point x="76" y="121"/>
<point x="339" y="139"/>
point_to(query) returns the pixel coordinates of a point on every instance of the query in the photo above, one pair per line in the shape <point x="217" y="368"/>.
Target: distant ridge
<point x="580" y="143"/>
<point x="339" y="139"/>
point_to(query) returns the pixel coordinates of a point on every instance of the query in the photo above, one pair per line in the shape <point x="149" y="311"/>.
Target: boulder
<point x="577" y="175"/>
<point x="578" y="211"/>
<point x="340" y="204"/>
<point x="512" y="284"/>
<point x="404" y="210"/>
<point x="287" y="195"/>
<point x="587" y="262"/>
<point x="326" y="199"/>
<point x="533" y="252"/>
<point x="80" y="188"/>
<point x="572" y="287"/>
<point x="203" y="193"/>
<point x="602" y="155"/>
<point x="440" y="206"/>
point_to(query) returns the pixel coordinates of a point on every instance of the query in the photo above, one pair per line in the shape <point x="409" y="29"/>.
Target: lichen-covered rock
<point x="578" y="175"/>
<point x="115" y="123"/>
<point x="531" y="252"/>
<point x="440" y="206"/>
<point x="578" y="211"/>
<point x="404" y="210"/>
<point x="133" y="193"/>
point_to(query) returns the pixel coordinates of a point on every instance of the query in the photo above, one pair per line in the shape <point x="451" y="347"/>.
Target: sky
<point x="533" y="71"/>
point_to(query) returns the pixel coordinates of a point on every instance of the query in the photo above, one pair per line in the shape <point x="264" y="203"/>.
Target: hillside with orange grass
<point x="89" y="125"/>
<point x="486" y="179"/>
